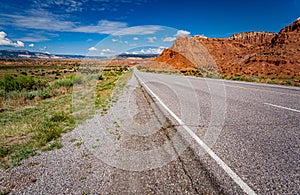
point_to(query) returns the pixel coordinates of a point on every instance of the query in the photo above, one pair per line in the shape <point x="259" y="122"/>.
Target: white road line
<point x="225" y="167"/>
<point x="282" y="107"/>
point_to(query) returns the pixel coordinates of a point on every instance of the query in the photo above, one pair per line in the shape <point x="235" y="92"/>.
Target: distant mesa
<point x="40" y="55"/>
<point x="134" y="56"/>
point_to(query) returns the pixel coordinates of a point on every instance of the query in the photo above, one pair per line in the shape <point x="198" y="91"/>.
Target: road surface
<point x="257" y="131"/>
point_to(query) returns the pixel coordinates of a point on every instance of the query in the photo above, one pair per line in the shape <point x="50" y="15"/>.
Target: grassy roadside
<point x="34" y="116"/>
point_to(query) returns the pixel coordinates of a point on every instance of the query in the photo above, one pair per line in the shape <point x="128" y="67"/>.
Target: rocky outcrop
<point x="250" y="54"/>
<point x="175" y="59"/>
<point x="253" y="37"/>
<point x="289" y="34"/>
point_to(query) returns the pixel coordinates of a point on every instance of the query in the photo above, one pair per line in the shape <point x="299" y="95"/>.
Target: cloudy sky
<point x="107" y="27"/>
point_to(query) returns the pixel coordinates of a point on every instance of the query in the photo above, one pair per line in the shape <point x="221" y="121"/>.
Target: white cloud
<point x="135" y="38"/>
<point x="71" y="6"/>
<point x="19" y="44"/>
<point x="38" y="36"/>
<point x="34" y="39"/>
<point x="169" y="39"/>
<point x="150" y="50"/>
<point x="151" y="39"/>
<point x="92" y="49"/>
<point x="126" y="42"/>
<point x="107" y="50"/>
<point x="31" y="45"/>
<point x="38" y="19"/>
<point x="44" y="20"/>
<point x="179" y="33"/>
<point x="7" y="42"/>
<point x="43" y="48"/>
<point x="103" y="27"/>
<point x="67" y="5"/>
<point x="114" y="40"/>
<point x="139" y="30"/>
<point x="154" y="50"/>
<point x="182" y="33"/>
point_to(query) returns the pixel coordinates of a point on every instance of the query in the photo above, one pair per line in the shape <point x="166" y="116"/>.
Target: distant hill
<point x="126" y="56"/>
<point x="29" y="54"/>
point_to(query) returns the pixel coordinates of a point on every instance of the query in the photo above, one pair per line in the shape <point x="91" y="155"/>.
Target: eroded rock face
<point x="255" y="38"/>
<point x="175" y="59"/>
<point x="250" y="54"/>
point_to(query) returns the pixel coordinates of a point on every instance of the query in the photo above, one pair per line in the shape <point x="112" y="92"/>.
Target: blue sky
<point x="108" y="27"/>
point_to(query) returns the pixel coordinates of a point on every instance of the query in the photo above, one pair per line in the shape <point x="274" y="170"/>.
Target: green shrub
<point x="59" y="117"/>
<point x="63" y="83"/>
<point x="77" y="79"/>
<point x="43" y="94"/>
<point x="31" y="95"/>
<point x="3" y="151"/>
<point x="11" y="83"/>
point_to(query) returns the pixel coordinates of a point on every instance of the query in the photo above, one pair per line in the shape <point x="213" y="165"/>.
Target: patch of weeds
<point x="21" y="155"/>
<point x="55" y="145"/>
<point x="59" y="117"/>
<point x="118" y="136"/>
<point x="46" y="134"/>
<point x="4" y="151"/>
<point x="85" y="155"/>
<point x="78" y="144"/>
<point x="72" y="140"/>
<point x="82" y="178"/>
<point x="111" y="132"/>
<point x="89" y="166"/>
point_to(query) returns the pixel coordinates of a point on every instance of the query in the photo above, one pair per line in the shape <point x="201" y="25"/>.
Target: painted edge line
<point x="291" y="109"/>
<point x="219" y="161"/>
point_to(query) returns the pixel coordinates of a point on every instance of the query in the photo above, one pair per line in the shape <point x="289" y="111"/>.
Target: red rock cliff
<point x="251" y="54"/>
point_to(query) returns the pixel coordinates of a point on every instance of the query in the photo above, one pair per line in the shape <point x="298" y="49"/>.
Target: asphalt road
<point x="253" y="128"/>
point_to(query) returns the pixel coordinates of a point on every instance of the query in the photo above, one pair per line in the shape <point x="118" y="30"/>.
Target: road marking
<point x="219" y="161"/>
<point x="282" y="107"/>
<point x="263" y="90"/>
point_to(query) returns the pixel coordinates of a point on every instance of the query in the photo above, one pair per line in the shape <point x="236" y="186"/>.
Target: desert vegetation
<point x="36" y="102"/>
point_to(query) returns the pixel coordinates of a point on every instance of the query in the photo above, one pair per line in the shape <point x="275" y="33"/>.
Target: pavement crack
<point x="188" y="175"/>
